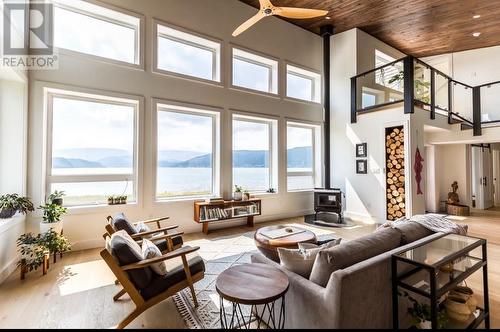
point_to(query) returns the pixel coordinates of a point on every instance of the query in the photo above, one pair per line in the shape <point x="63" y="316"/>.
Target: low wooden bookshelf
<point x="208" y="212"/>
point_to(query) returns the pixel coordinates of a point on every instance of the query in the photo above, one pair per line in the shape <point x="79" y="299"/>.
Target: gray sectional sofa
<point x="357" y="293"/>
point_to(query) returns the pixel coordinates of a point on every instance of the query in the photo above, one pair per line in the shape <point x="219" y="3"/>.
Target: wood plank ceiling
<point x="416" y="27"/>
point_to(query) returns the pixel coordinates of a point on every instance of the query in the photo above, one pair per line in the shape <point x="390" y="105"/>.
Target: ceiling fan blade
<point x="245" y="26"/>
<point x="299" y="13"/>
<point x="265" y="4"/>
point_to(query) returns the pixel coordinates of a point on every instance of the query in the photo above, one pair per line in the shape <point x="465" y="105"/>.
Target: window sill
<point x="254" y="92"/>
<point x="96" y="58"/>
<point x="87" y="209"/>
<point x="194" y="79"/>
<point x="301" y="191"/>
<point x="303" y="101"/>
<point x="264" y="195"/>
<point x="181" y="199"/>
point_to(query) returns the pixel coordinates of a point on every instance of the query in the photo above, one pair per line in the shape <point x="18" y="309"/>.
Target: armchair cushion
<point x="176" y="241"/>
<point x="150" y="250"/>
<point x="120" y="222"/>
<point x="127" y="251"/>
<point x="159" y="284"/>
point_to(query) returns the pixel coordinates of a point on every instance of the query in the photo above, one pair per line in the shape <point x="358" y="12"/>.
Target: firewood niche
<point x="395" y="173"/>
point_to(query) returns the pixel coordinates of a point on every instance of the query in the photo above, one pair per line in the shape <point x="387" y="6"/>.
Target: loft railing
<point x="415" y="83"/>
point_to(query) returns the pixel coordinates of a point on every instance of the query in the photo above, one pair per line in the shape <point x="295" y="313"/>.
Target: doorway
<point x="482" y="179"/>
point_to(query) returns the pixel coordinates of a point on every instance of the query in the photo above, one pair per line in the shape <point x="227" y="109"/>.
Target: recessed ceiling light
<point x="476" y="34"/>
<point x="476" y="16"/>
<point x="328" y="18"/>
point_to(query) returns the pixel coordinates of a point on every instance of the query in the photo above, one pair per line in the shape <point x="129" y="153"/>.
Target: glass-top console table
<point x="432" y="269"/>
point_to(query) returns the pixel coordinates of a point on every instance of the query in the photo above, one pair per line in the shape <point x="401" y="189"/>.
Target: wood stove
<point x="328" y="201"/>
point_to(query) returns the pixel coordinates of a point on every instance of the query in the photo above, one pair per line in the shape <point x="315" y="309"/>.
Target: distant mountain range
<point x="112" y="158"/>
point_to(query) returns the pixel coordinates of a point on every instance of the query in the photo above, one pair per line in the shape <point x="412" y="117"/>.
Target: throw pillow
<point x="150" y="250"/>
<point x="301" y="260"/>
<point x="297" y="260"/>
<point x="327" y="245"/>
<point x="142" y="227"/>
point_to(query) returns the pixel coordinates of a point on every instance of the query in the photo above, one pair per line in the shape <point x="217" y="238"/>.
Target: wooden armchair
<point x="166" y="242"/>
<point x="159" y="288"/>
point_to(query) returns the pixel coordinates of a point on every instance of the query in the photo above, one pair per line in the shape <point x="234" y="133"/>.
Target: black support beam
<point x="409" y="76"/>
<point x="433" y="94"/>
<point x="476" y="111"/>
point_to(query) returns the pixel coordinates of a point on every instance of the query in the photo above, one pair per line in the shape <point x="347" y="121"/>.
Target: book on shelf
<point x="214" y="200"/>
<point x="209" y="213"/>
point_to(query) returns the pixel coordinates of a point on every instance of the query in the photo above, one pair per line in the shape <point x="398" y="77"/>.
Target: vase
<point x="238" y="196"/>
<point x="246" y="196"/>
<point x="425" y="325"/>
<point x="56" y="226"/>
<point x="7" y="213"/>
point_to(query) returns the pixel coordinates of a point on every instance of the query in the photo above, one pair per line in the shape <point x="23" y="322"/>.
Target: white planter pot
<point x="425" y="325"/>
<point x="238" y="196"/>
<point x="45" y="227"/>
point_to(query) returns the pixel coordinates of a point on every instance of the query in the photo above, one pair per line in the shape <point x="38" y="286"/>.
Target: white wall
<point x="13" y="126"/>
<point x="353" y="51"/>
<point x="215" y="18"/>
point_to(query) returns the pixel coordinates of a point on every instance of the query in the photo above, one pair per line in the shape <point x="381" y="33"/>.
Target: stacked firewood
<point x="395" y="174"/>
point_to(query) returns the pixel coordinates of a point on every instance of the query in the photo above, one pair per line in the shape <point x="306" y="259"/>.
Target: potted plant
<point x="238" y="193"/>
<point x="32" y="252"/>
<point x="56" y="197"/>
<point x="421" y="314"/>
<point x="52" y="214"/>
<point x="54" y="242"/>
<point x="111" y="200"/>
<point x="12" y="203"/>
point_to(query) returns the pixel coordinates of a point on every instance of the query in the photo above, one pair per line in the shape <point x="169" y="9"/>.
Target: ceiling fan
<point x="268" y="9"/>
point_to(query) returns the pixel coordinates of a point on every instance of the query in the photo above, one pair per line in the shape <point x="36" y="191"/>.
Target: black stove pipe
<point x="326" y="32"/>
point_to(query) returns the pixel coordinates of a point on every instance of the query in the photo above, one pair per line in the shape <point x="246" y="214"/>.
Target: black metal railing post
<point x="409" y="76"/>
<point x="476" y="110"/>
<point x="433" y="94"/>
<point x="354" y="100"/>
<point x="450" y="101"/>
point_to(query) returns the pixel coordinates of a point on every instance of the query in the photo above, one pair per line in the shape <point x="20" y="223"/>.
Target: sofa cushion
<point x="411" y="232"/>
<point x="127" y="251"/>
<point x="159" y="284"/>
<point x="301" y="260"/>
<point x="142" y="228"/>
<point x="150" y="250"/>
<point x="120" y="222"/>
<point x="352" y="252"/>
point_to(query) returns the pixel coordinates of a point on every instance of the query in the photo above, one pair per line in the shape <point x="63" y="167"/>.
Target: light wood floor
<point x="77" y="292"/>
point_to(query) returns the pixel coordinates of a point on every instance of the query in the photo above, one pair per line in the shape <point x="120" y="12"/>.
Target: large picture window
<point x="254" y="72"/>
<point x="303" y="156"/>
<point x="92" y="147"/>
<point x="87" y="28"/>
<point x="187" y="54"/>
<point x="303" y="84"/>
<point x="187" y="152"/>
<point x="254" y="157"/>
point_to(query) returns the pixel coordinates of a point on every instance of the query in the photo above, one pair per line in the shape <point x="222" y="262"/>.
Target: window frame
<point x="139" y="43"/>
<point x="106" y="99"/>
<point x="273" y="125"/>
<point x="315" y="77"/>
<point x="190" y="109"/>
<point x="253" y="58"/>
<point x="217" y="57"/>
<point x="317" y="143"/>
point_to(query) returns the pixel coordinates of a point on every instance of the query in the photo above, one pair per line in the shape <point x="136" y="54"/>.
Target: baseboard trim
<point x="195" y="228"/>
<point x="8" y="269"/>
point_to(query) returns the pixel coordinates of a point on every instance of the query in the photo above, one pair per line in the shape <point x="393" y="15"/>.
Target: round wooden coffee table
<point x="269" y="247"/>
<point x="252" y="285"/>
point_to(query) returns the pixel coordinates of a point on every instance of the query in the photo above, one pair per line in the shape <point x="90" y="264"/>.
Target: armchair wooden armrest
<point x="182" y="252"/>
<point x="139" y="236"/>
<point x="162" y="237"/>
<point x="156" y="220"/>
